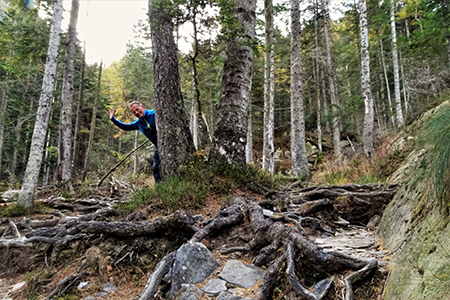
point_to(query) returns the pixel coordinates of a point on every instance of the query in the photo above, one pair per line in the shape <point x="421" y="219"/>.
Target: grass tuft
<point x="17" y="210"/>
<point x="189" y="187"/>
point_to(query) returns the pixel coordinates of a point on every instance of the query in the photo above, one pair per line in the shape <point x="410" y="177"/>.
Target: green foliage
<point x="437" y="134"/>
<point x="189" y="187"/>
<point x="17" y="210"/>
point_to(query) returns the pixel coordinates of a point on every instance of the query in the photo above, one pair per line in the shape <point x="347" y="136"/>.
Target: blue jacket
<point x="146" y="125"/>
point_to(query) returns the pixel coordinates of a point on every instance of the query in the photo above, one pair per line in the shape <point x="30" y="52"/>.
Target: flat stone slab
<point x="240" y="274"/>
<point x="214" y="286"/>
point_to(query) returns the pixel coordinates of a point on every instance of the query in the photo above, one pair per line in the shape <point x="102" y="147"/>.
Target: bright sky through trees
<point x="107" y="26"/>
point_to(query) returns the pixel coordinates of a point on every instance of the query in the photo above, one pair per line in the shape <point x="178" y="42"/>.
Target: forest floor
<point x="337" y="222"/>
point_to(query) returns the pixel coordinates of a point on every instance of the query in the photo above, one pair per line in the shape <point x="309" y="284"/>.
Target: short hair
<point x="135" y="102"/>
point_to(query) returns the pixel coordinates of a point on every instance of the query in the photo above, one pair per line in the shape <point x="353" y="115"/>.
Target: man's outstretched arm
<point x="124" y="126"/>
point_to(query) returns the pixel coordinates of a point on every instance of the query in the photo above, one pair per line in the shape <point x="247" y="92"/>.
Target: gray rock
<point x="228" y="296"/>
<point x="83" y="285"/>
<point x="240" y="274"/>
<point x="109" y="288"/>
<point x="102" y="294"/>
<point x="189" y="292"/>
<point x="224" y="296"/>
<point x="90" y="298"/>
<point x="321" y="288"/>
<point x="214" y="286"/>
<point x="11" y="195"/>
<point x="193" y="264"/>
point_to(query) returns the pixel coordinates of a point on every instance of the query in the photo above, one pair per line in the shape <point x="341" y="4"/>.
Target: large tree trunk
<point x="333" y="85"/>
<point x="299" y="160"/>
<point x="398" y="102"/>
<point x="365" y="82"/>
<point x="26" y="196"/>
<point x="268" y="148"/>
<point x="92" y="129"/>
<point x="174" y="138"/>
<point x="230" y="136"/>
<point x="65" y="119"/>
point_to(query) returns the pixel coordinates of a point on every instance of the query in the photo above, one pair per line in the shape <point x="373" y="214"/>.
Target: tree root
<point x="153" y="282"/>
<point x="64" y="284"/>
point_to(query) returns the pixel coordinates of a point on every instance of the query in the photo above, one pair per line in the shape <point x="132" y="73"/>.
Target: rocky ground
<point x="315" y="243"/>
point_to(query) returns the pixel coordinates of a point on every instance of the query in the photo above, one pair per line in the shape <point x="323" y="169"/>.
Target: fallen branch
<point x="120" y="162"/>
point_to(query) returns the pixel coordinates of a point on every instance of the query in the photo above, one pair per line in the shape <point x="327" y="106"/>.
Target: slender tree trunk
<point x="230" y="136"/>
<point x="26" y="196"/>
<point x="198" y="106"/>
<point x="268" y="147"/>
<point x="316" y="79"/>
<point x="47" y="167"/>
<point x="135" y="163"/>
<point x="388" y="90"/>
<point x="398" y="102"/>
<point x="92" y="129"/>
<point x="17" y="133"/>
<point x="365" y="82"/>
<point x="75" y="155"/>
<point x="65" y="120"/>
<point x="333" y="86"/>
<point x="405" y="93"/>
<point x="3" y="105"/>
<point x="175" y="142"/>
<point x="299" y="156"/>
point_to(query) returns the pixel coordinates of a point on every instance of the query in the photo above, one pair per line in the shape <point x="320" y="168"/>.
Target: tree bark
<point x="268" y="135"/>
<point x="26" y="196"/>
<point x="3" y="103"/>
<point x="334" y="94"/>
<point x="65" y="119"/>
<point x="230" y="136"/>
<point x="75" y="158"/>
<point x="365" y="83"/>
<point x="398" y="102"/>
<point x="92" y="129"/>
<point x="175" y="142"/>
<point x="299" y="160"/>
<point x="388" y="90"/>
<point x="249" y="146"/>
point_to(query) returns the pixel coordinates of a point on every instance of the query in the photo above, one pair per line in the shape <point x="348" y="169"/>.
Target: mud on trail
<point x="299" y="236"/>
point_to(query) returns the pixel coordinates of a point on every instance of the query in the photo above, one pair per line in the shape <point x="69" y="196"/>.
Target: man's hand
<point x="111" y="113"/>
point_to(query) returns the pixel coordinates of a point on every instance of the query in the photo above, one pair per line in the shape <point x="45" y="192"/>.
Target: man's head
<point x="137" y="109"/>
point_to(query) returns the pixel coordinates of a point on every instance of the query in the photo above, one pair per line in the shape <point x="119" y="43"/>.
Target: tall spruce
<point x="365" y="82"/>
<point x="230" y="136"/>
<point x="299" y="159"/>
<point x="268" y="162"/>
<point x="31" y="176"/>
<point x="174" y="138"/>
<point x="65" y="119"/>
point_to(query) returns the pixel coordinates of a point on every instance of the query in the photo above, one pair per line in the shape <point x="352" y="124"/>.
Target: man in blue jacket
<point x="145" y="122"/>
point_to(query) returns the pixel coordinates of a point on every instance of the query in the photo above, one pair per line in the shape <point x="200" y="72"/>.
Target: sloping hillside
<point x="415" y="225"/>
